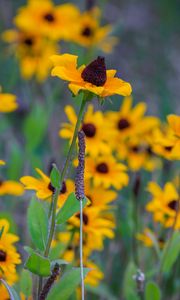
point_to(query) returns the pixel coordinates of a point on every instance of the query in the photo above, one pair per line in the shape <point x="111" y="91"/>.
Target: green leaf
<point x="152" y="291"/>
<point x="12" y="293"/>
<point x="171" y="252"/>
<point x="64" y="288"/>
<point x="55" y="177"/>
<point x="70" y="207"/>
<point x="26" y="283"/>
<point x="37" y="224"/>
<point x="38" y="264"/>
<point x="129" y="285"/>
<point x="102" y="291"/>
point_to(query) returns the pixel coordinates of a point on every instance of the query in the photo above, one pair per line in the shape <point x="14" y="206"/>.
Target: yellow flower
<point x="167" y="140"/>
<point x="94" y="194"/>
<point x="32" y="52"/>
<point x="95" y="227"/>
<point x="10" y="187"/>
<point x="7" y="103"/>
<point x="137" y="151"/>
<point x="10" y="279"/>
<point x="106" y="171"/>
<point x="91" y="34"/>
<point x="94" y="127"/>
<point x="9" y="257"/>
<point x="146" y="238"/>
<point x="51" y="21"/>
<point x="128" y="121"/>
<point x="164" y="204"/>
<point x="93" y="78"/>
<point x="2" y="162"/>
<point x="94" y="276"/>
<point x="44" y="189"/>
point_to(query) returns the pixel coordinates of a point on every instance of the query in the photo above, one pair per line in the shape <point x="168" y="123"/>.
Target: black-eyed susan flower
<point x="9" y="257"/>
<point x="130" y="121"/>
<point x="146" y="237"/>
<point x="44" y="189"/>
<point x="91" y="34"/>
<point x="2" y="162"/>
<point x="93" y="77"/>
<point x="167" y="140"/>
<point x="137" y="152"/>
<point x="93" y="125"/>
<point x="95" y="275"/>
<point x="94" y="195"/>
<point x="164" y="204"/>
<point x="32" y="51"/>
<point x="8" y="103"/>
<point x="96" y="228"/>
<point x="11" y="187"/>
<point x="52" y="21"/>
<point x="105" y="171"/>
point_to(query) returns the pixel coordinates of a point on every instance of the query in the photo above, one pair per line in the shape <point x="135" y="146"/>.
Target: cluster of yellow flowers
<point x="41" y="25"/>
<point x="9" y="257"/>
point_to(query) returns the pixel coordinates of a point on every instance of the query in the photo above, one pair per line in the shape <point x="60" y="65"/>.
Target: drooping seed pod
<point x="50" y="281"/>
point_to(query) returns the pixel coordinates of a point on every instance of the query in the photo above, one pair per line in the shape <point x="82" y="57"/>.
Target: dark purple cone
<point x="79" y="179"/>
<point x="49" y="283"/>
<point x="95" y="72"/>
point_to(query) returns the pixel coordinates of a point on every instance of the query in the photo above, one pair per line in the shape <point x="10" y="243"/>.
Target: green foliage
<point x="37" y="224"/>
<point x="170" y="252"/>
<point x="129" y="285"/>
<point x="70" y="207"/>
<point x="64" y="288"/>
<point x="102" y="291"/>
<point x="55" y="177"/>
<point x="38" y="264"/>
<point x="26" y="283"/>
<point x="12" y="293"/>
<point x="152" y="291"/>
<point x="35" y="127"/>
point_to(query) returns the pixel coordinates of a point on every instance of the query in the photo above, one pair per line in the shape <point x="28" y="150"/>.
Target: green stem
<point x="63" y="174"/>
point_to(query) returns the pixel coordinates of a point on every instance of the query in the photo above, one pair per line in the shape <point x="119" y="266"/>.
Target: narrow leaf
<point x="55" y="177"/>
<point x="70" y="207"/>
<point x="26" y="283"/>
<point x="37" y="224"/>
<point x="171" y="252"/>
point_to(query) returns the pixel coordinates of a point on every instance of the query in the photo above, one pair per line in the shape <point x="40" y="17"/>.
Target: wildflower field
<point x="89" y="150"/>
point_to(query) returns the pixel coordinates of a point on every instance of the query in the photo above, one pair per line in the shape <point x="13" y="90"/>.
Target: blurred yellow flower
<point x="91" y="34"/>
<point x="54" y="22"/>
<point x="8" y="103"/>
<point x="164" y="204"/>
<point x="44" y="189"/>
<point x="94" y="276"/>
<point x="105" y="171"/>
<point x="2" y="162"/>
<point x="32" y="52"/>
<point x="94" y="127"/>
<point x="10" y="187"/>
<point x="167" y="139"/>
<point x="93" y="77"/>
<point x="147" y="238"/>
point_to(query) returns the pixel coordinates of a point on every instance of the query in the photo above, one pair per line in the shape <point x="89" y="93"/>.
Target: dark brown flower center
<point x="87" y="31"/>
<point x="173" y="205"/>
<point x="168" y="148"/>
<point x="28" y="41"/>
<point x="2" y="255"/>
<point x="85" y="218"/>
<point x="102" y="168"/>
<point x="135" y="149"/>
<point x="149" y="150"/>
<point x="49" y="17"/>
<point x="89" y="129"/>
<point x="1" y="182"/>
<point x="123" y="124"/>
<point x="63" y="189"/>
<point x="95" y="72"/>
